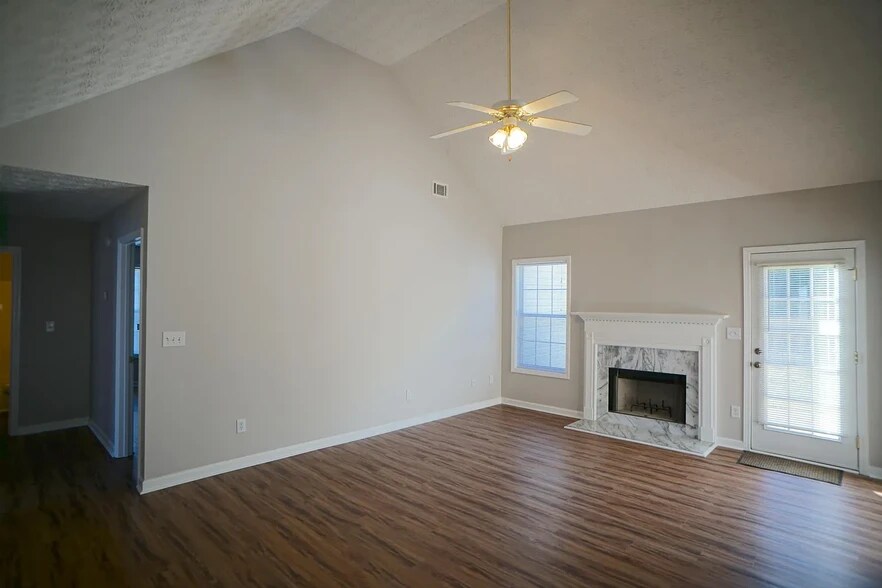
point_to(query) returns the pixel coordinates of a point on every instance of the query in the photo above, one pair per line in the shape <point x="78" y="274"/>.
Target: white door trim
<point x="860" y="331"/>
<point x="15" y="333"/>
<point x="122" y="405"/>
<point x="142" y="361"/>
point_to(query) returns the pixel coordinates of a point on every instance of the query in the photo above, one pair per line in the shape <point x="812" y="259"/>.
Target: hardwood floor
<point x="498" y="497"/>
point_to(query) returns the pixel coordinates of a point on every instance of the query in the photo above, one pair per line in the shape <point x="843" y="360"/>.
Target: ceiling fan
<point x="510" y="137"/>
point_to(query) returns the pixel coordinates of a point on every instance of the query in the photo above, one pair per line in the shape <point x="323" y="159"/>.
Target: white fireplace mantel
<point x="645" y="317"/>
<point x="687" y="332"/>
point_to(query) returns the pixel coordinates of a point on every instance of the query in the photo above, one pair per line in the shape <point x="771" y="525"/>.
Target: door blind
<point x="803" y="334"/>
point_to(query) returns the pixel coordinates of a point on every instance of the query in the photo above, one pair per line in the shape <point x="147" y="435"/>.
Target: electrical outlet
<point x="50" y="326"/>
<point x="408" y="395"/>
<point x="733" y="333"/>
<point x="174" y="338"/>
<point x="735" y="411"/>
<point x="473" y="382"/>
<point x="241" y="426"/>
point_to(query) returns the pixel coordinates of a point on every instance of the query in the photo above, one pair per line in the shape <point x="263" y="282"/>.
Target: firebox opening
<point x="652" y="395"/>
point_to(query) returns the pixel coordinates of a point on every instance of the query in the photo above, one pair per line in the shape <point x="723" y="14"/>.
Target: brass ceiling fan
<point x="510" y="137"/>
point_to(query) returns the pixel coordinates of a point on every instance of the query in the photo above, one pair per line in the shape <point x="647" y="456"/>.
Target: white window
<point x="540" y="316"/>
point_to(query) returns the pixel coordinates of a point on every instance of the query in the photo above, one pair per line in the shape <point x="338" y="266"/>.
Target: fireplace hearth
<point x="654" y="395"/>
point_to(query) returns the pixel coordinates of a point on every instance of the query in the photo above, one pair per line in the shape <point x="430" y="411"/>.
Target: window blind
<point x="541" y="316"/>
<point x="803" y="330"/>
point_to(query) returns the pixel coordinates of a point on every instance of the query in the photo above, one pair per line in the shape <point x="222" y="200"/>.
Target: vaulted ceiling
<point x="387" y="31"/>
<point x="54" y="54"/>
<point x="690" y="100"/>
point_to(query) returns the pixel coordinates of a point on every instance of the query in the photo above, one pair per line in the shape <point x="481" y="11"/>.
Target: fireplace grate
<point x="652" y="408"/>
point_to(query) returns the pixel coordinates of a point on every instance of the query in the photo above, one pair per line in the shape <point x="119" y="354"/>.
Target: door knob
<point x="757" y="364"/>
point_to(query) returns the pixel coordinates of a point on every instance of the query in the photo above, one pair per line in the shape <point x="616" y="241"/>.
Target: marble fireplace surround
<point x="671" y="343"/>
<point x="648" y="359"/>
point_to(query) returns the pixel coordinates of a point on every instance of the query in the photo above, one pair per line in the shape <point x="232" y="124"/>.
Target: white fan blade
<point x="549" y="102"/>
<point x="478" y="107"/>
<point x="563" y="126"/>
<point x="483" y="123"/>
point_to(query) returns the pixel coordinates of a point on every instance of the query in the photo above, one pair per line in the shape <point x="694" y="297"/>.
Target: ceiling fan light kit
<point x="510" y="136"/>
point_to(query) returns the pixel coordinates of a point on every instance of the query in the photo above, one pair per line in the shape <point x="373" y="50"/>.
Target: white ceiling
<point x="690" y="100"/>
<point x="36" y="193"/>
<point x="54" y="54"/>
<point x="387" y="31"/>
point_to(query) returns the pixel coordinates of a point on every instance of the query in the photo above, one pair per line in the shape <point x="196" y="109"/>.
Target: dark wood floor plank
<point x="498" y="497"/>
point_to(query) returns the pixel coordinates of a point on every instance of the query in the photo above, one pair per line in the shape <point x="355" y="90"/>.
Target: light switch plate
<point x="733" y="333"/>
<point x="735" y="411"/>
<point x="174" y="338"/>
<point x="50" y="326"/>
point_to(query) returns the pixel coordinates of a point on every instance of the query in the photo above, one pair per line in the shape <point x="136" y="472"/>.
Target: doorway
<point x="804" y="380"/>
<point x="10" y="300"/>
<point x="129" y="338"/>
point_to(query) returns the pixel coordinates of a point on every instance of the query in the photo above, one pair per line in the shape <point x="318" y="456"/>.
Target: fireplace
<point x="679" y="346"/>
<point x="654" y="395"/>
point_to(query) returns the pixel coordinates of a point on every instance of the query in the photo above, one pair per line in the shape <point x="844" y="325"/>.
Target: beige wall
<point x="56" y="274"/>
<point x="688" y="259"/>
<point x="294" y="238"/>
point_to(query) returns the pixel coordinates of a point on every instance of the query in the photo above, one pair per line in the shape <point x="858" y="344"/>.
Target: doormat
<point x="794" y="468"/>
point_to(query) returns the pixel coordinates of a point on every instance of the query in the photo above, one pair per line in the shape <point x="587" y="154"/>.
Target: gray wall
<point x="56" y="275"/>
<point x="689" y="259"/>
<point x="294" y="237"/>
<point x="122" y="221"/>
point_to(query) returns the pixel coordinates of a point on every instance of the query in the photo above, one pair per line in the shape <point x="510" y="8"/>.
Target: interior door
<point x="804" y="388"/>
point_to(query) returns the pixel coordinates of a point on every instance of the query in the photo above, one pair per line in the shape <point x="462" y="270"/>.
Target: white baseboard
<point x="567" y="412"/>
<point x="167" y="481"/>
<point x="102" y="438"/>
<point x="874" y="472"/>
<point x="53" y="426"/>
<point x="730" y="443"/>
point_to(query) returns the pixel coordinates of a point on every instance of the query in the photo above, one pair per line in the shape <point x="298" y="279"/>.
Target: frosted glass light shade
<point x="509" y="138"/>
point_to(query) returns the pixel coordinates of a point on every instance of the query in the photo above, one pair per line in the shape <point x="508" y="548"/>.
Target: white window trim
<point x="514" y="314"/>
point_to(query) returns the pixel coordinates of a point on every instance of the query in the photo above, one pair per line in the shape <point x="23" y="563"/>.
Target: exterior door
<point x="803" y="360"/>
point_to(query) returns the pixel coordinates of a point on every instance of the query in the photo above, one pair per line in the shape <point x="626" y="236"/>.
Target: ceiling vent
<point x="439" y="190"/>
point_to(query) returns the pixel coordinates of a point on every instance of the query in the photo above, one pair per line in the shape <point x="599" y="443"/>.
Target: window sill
<point x="527" y="372"/>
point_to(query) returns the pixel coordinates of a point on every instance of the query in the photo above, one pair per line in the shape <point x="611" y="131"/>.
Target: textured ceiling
<point x="29" y="192"/>
<point x="54" y="53"/>
<point x="387" y="31"/>
<point x="690" y="100"/>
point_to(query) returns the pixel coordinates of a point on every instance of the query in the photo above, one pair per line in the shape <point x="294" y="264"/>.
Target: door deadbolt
<point x="758" y="351"/>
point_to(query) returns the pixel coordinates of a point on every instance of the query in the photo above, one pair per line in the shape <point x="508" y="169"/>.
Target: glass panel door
<point x="803" y="360"/>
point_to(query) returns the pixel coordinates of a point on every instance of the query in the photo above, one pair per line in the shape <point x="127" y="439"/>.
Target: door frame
<point x="15" y="334"/>
<point x="122" y="396"/>
<point x="860" y="318"/>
